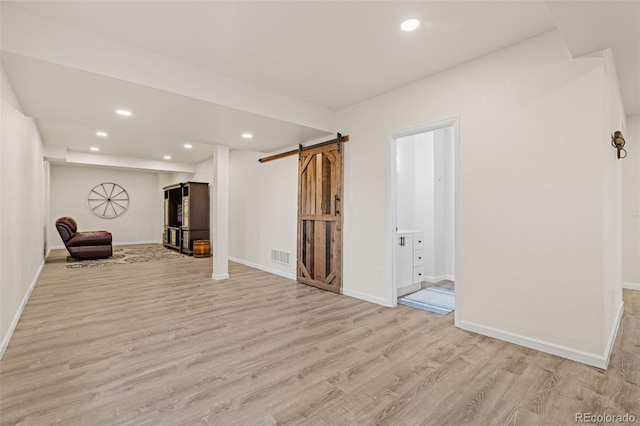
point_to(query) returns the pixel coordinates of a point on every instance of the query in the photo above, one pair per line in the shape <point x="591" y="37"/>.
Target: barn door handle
<point x="335" y="205"/>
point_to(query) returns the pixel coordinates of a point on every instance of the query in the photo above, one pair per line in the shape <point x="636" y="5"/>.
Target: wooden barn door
<point x="320" y="184"/>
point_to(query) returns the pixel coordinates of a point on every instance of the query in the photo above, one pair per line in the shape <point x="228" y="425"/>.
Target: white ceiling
<point x="71" y="105"/>
<point x="591" y="26"/>
<point x="332" y="54"/>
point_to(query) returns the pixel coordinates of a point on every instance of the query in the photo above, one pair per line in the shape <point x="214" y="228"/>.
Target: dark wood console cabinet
<point x="186" y="215"/>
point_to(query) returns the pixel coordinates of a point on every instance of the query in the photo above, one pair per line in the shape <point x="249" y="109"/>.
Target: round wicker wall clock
<point x="108" y="200"/>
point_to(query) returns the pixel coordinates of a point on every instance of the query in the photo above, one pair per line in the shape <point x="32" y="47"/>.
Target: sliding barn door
<point x="320" y="217"/>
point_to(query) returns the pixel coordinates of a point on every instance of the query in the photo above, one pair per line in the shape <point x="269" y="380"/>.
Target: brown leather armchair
<point x="84" y="245"/>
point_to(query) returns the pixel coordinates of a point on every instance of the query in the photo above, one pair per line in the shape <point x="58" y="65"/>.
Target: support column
<point x="220" y="213"/>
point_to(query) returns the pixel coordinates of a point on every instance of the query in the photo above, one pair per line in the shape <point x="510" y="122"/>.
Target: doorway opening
<point x="423" y="206"/>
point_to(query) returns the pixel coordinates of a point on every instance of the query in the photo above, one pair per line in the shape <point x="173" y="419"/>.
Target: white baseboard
<point x="631" y="286"/>
<point x="219" y="277"/>
<point x="263" y="268"/>
<point x="366" y="297"/>
<point x="596" y="360"/>
<point x="16" y="317"/>
<point x="614" y="333"/>
<point x="437" y="279"/>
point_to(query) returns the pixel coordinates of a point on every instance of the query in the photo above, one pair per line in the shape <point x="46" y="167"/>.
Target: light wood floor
<point x="448" y="284"/>
<point x="160" y="343"/>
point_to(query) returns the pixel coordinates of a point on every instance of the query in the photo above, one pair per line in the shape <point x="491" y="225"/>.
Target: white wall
<point x="262" y="210"/>
<point x="142" y="222"/>
<point x="204" y="171"/>
<point x="444" y="204"/>
<point x="614" y="119"/>
<point x="23" y="195"/>
<point x="449" y="202"/>
<point x="406" y="191"/>
<point x="631" y="202"/>
<point x="531" y="193"/>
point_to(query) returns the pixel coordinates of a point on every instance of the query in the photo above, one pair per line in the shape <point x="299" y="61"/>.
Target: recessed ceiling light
<point x="94" y="148"/>
<point x="410" y="25"/>
<point x="247" y="135"/>
<point x="188" y="146"/>
<point x="101" y="134"/>
<point x="167" y="157"/>
<point x="123" y="112"/>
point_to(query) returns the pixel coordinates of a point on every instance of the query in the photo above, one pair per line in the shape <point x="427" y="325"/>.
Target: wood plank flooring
<point x="160" y="343"/>
<point x="448" y="284"/>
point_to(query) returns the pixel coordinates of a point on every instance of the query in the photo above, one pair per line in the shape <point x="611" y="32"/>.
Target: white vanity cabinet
<point x="409" y="261"/>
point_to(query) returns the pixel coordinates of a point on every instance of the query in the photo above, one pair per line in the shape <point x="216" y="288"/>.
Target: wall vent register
<point x="280" y="256"/>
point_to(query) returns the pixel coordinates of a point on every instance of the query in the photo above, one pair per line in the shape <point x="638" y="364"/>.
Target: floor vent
<point x="279" y="256"/>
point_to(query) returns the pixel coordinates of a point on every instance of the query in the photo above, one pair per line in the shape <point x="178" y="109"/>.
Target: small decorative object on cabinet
<point x="409" y="261"/>
<point x="186" y="215"/>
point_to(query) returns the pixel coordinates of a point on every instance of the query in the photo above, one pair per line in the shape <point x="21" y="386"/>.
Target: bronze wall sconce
<point x="617" y="141"/>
